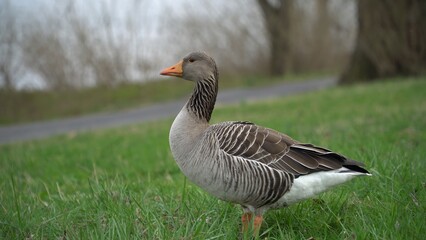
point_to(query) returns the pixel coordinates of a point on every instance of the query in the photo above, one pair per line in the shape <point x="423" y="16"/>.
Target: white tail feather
<point x="307" y="186"/>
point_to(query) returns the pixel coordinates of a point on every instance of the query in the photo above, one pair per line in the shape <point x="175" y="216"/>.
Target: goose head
<point x="195" y="67"/>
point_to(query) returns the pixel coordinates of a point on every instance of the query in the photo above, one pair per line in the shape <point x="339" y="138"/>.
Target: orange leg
<point x="250" y="224"/>
<point x="246" y="220"/>
<point x="257" y="223"/>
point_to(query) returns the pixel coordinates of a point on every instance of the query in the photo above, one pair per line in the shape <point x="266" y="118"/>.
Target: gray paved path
<point x="37" y="130"/>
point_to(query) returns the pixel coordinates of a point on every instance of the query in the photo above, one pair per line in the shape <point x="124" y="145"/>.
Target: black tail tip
<point x="357" y="168"/>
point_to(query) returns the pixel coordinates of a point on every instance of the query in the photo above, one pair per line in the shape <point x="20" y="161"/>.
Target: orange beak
<point x="175" y="70"/>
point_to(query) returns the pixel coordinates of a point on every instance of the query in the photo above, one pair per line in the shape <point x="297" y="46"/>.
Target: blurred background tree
<point x="8" y="47"/>
<point x="78" y="44"/>
<point x="277" y="15"/>
<point x="74" y="44"/>
<point x="391" y="40"/>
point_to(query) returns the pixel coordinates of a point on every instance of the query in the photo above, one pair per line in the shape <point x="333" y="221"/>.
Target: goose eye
<point x="191" y="60"/>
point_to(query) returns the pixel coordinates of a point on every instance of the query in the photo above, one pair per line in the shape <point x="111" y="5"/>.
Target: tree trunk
<point x="391" y="40"/>
<point x="8" y="42"/>
<point x="277" y="19"/>
<point x="321" y="53"/>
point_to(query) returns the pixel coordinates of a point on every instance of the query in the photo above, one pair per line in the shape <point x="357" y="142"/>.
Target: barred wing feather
<point x="277" y="150"/>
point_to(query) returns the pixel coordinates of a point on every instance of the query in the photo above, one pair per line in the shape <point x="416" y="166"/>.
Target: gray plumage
<point x="241" y="162"/>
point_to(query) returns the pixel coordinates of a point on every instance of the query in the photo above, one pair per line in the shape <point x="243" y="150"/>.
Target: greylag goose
<point x="244" y="163"/>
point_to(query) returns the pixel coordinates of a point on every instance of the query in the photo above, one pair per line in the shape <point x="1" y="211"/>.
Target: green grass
<point x="123" y="183"/>
<point x="27" y="106"/>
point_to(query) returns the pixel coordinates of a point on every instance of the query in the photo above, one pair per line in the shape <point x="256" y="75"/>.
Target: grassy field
<point x="123" y="183"/>
<point x="27" y="106"/>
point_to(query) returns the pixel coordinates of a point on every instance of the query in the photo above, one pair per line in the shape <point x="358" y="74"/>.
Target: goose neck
<point x="203" y="98"/>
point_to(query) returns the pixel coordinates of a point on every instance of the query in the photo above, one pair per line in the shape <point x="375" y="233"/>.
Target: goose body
<point x="240" y="162"/>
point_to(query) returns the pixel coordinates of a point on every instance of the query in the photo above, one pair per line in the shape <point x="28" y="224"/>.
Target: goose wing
<point x="277" y="150"/>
